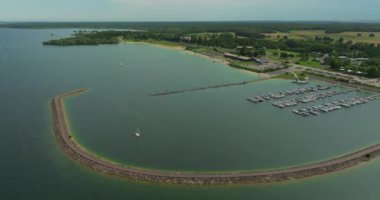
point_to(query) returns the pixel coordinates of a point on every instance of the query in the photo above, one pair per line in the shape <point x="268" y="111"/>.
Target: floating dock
<point x="334" y="106"/>
<point x="285" y="93"/>
<point x="309" y="98"/>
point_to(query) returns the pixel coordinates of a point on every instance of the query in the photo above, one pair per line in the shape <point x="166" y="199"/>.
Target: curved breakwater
<point x="78" y="153"/>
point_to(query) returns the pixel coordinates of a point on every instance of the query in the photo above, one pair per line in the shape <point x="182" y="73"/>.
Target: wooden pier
<point x="169" y="92"/>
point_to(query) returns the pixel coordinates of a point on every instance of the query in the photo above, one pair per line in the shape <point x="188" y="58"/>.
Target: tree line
<point x="231" y="40"/>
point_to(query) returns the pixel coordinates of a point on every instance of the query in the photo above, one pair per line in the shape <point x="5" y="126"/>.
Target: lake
<point x="210" y="130"/>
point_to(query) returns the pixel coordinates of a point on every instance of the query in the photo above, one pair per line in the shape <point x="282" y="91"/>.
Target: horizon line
<point x="188" y="21"/>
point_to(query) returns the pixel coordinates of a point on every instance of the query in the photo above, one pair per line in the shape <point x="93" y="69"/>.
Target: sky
<point x="189" y="10"/>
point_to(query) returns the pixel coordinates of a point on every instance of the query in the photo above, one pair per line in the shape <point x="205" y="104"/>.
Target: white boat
<point x="137" y="133"/>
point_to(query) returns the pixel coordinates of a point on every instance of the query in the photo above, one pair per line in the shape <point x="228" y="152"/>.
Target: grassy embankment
<point x="244" y="66"/>
<point x="289" y="76"/>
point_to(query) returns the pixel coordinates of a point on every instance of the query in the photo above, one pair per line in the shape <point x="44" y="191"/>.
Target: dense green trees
<point x="197" y="27"/>
<point x="259" y="52"/>
<point x="111" y="37"/>
<point x="244" y="51"/>
<point x="82" y="41"/>
<point x="234" y="38"/>
<point x="334" y="62"/>
<point x="227" y="40"/>
<point x="304" y="56"/>
<point x="374" y="72"/>
<point x="284" y="55"/>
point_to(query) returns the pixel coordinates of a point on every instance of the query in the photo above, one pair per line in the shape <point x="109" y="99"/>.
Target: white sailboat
<point x="137" y="133"/>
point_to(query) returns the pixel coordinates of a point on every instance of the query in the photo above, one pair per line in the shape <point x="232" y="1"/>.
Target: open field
<point x="290" y="76"/>
<point x="208" y="34"/>
<point x="280" y="35"/>
<point x="270" y="55"/>
<point x="310" y="34"/>
<point x="314" y="64"/>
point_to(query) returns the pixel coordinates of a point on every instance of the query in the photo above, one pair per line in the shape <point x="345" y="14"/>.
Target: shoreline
<point x="74" y="150"/>
<point x="178" y="47"/>
<point x="349" y="85"/>
<point x="182" y="48"/>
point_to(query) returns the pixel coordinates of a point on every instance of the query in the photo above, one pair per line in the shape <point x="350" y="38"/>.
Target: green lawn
<point x="269" y="54"/>
<point x="314" y="64"/>
<point x="290" y="76"/>
<point x="279" y="35"/>
<point x="208" y="34"/>
<point x="311" y="34"/>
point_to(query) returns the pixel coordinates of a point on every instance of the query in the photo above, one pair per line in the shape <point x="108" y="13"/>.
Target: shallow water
<point x="211" y="130"/>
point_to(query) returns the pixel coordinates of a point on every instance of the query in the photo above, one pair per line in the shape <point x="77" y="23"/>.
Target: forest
<point x="231" y="35"/>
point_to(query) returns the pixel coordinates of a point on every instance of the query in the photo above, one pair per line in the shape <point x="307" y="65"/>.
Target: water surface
<point x="213" y="130"/>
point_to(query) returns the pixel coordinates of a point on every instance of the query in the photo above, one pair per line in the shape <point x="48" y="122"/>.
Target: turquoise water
<point x="212" y="130"/>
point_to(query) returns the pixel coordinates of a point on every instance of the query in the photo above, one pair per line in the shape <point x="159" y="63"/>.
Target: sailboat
<point x="137" y="133"/>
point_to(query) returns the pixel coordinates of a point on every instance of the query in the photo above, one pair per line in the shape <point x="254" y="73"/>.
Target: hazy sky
<point x="187" y="10"/>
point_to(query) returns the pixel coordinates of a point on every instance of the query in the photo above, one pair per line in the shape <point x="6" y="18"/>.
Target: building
<point x="248" y="47"/>
<point x="322" y="59"/>
<point x="358" y="61"/>
<point x="237" y="57"/>
<point x="185" y="38"/>
<point x="260" y="61"/>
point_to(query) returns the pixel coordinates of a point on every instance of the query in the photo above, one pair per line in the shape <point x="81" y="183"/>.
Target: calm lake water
<point x="211" y="130"/>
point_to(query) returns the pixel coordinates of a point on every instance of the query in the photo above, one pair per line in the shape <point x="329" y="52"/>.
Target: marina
<point x="334" y="106"/>
<point x="315" y="110"/>
<point x="77" y="152"/>
<point x="309" y="98"/>
<point x="285" y="93"/>
<point x="205" y="131"/>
